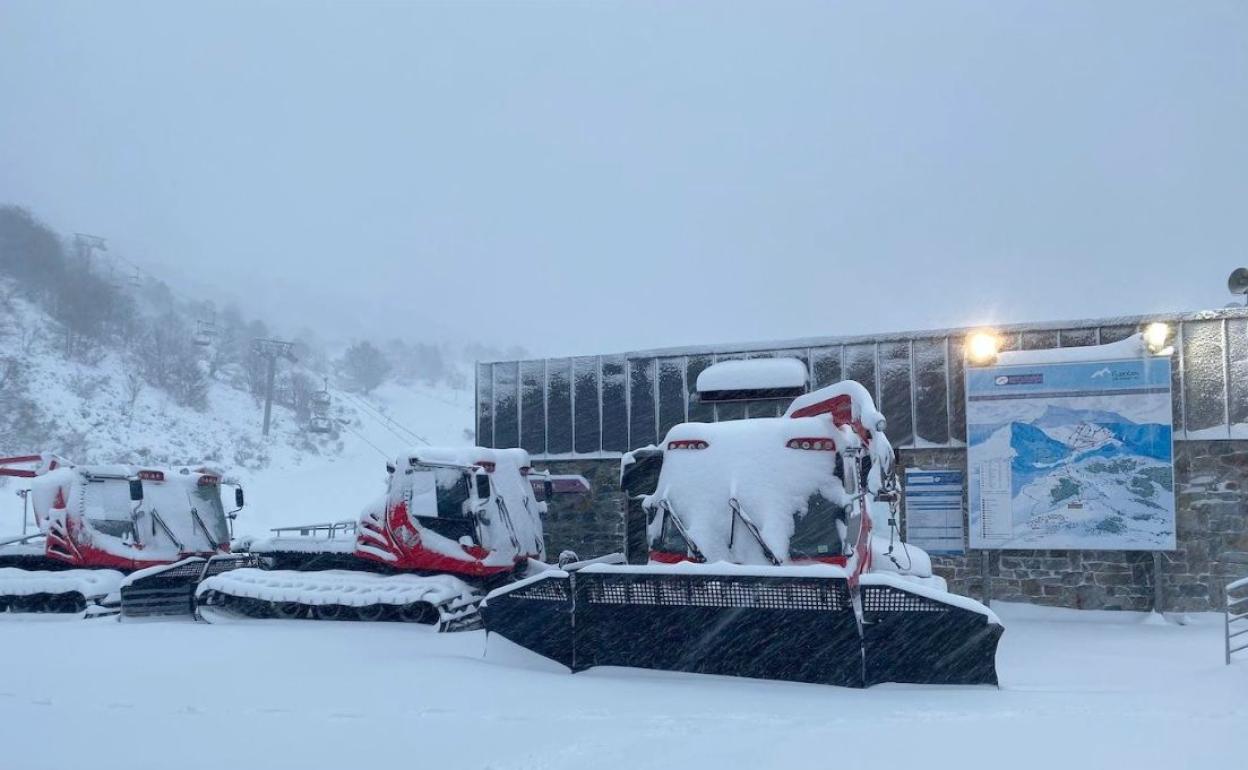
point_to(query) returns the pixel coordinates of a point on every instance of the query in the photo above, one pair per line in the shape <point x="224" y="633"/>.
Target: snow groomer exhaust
<point x="761" y="563"/>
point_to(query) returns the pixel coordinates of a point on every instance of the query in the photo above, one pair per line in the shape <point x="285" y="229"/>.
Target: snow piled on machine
<point x="104" y="501"/>
<point x="752" y="374"/>
<point x="344" y="587"/>
<point x="91" y="583"/>
<point x="509" y="478"/>
<point x="747" y="460"/>
<point x="751" y="461"/>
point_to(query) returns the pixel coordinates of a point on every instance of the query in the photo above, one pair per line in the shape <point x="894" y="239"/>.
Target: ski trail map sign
<point x="1073" y="454"/>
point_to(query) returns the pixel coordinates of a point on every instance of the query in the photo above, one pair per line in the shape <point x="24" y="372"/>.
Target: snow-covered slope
<point x="98" y="412"/>
<point x="301" y="488"/>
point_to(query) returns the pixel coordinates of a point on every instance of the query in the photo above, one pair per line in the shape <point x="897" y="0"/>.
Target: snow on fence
<point x="1236" y="613"/>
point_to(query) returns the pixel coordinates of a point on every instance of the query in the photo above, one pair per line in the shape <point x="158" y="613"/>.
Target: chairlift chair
<point x="204" y="332"/>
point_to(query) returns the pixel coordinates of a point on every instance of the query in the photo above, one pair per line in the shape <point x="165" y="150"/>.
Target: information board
<point x="1071" y="454"/>
<point x="934" y="510"/>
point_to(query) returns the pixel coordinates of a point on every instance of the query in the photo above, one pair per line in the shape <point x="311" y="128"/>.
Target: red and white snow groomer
<point x="98" y="523"/>
<point x="453" y="522"/>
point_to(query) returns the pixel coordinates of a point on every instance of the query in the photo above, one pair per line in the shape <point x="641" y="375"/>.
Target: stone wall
<point x="592" y="525"/>
<point x="1212" y="511"/>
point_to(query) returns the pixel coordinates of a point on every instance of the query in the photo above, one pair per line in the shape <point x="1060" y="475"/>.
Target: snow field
<point x="1079" y="689"/>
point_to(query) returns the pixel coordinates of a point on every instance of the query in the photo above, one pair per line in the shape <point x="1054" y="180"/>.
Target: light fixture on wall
<point x="1238" y="282"/>
<point x="1157" y="337"/>
<point x="982" y="347"/>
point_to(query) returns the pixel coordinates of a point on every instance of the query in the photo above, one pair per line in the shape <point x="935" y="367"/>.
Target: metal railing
<point x="330" y="530"/>
<point x="1236" y="612"/>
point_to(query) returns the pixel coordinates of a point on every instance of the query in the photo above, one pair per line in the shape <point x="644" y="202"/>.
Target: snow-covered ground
<point x="1079" y="690"/>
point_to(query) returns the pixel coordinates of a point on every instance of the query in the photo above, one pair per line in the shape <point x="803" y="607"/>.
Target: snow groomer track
<point x="333" y="595"/>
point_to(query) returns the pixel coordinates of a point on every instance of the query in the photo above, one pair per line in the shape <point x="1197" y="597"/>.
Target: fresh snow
<point x="345" y="587"/>
<point x="342" y="543"/>
<point x="1131" y="347"/>
<point x="753" y="374"/>
<point x="1078" y="690"/>
<point x="906" y="583"/>
<point x="88" y="582"/>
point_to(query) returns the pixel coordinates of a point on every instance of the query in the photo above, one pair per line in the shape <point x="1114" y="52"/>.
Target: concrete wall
<point x="1212" y="498"/>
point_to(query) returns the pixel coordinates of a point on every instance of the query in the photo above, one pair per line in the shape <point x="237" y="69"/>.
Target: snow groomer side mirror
<point x="136" y="490"/>
<point x="638" y="478"/>
<point x="238" y="497"/>
<point x="483" y="487"/>
<point x="641" y="476"/>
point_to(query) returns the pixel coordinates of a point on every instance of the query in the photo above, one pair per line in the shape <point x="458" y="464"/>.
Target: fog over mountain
<point x="571" y="177"/>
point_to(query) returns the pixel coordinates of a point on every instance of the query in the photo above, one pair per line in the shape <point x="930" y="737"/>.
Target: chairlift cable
<point x="363" y="438"/>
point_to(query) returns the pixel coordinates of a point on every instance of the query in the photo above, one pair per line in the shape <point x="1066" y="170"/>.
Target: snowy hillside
<point x="99" y="411"/>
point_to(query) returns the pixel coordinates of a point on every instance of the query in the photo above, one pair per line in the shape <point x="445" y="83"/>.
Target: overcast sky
<point x="583" y="177"/>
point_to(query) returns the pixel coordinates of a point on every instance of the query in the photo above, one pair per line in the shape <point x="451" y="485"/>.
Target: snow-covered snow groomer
<point x="453" y="522"/>
<point x="763" y="562"/>
<point x="96" y="523"/>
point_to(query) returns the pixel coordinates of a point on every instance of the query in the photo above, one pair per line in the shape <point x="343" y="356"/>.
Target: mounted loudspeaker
<point x="1238" y="282"/>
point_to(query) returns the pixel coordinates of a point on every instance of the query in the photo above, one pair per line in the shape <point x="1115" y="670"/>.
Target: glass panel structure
<point x="1075" y="338"/>
<point x="1204" y="366"/>
<point x="957" y="389"/>
<point x="533" y="406"/>
<point x="827" y="366"/>
<point x="1237" y="370"/>
<point x="1039" y="340"/>
<point x="588" y="433"/>
<point x="559" y="406"/>
<point x="672" y="393"/>
<point x="485" y="405"/>
<point x="642" y="424"/>
<point x="593" y="404"/>
<point x="895" y="392"/>
<point x="507" y="404"/>
<point x="698" y="412"/>
<point x="614" y="404"/>
<point x="860" y="366"/>
<point x="931" y="392"/>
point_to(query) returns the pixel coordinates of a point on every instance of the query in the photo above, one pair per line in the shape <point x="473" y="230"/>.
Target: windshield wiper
<point x="751" y="527"/>
<point x="680" y="528"/>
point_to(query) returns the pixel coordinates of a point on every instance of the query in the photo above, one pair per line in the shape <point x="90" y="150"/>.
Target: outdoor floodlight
<point x="1157" y="336"/>
<point x="982" y="347"/>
